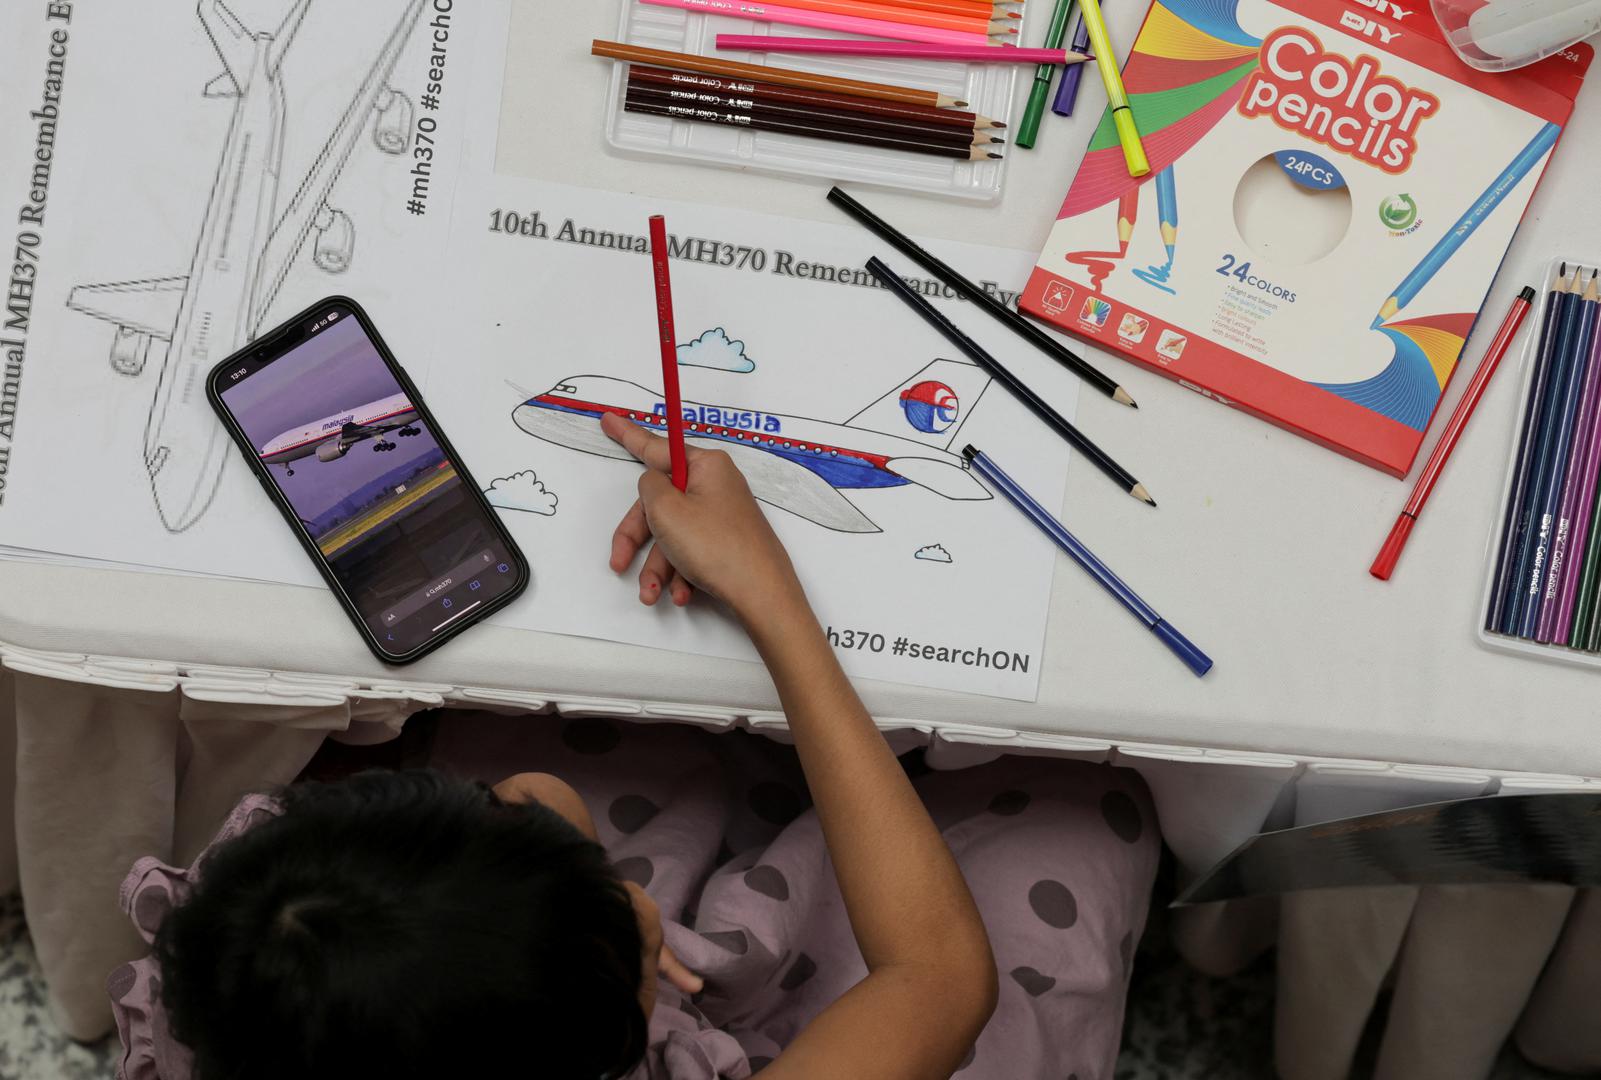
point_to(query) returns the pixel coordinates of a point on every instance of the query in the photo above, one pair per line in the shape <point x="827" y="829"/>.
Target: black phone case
<point x="265" y="343"/>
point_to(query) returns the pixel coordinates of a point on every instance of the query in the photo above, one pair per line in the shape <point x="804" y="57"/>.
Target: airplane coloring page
<point x="264" y="154"/>
<point x="260" y="155"/>
<point x="845" y="412"/>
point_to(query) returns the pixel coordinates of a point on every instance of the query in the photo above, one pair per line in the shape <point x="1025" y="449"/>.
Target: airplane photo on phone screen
<point x="413" y="547"/>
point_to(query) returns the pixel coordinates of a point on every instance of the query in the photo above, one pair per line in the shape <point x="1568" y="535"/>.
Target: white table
<point x="1326" y="680"/>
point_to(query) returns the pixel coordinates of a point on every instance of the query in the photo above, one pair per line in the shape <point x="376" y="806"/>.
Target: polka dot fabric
<point x="1060" y="856"/>
<point x="151" y="889"/>
<point x="720" y="831"/>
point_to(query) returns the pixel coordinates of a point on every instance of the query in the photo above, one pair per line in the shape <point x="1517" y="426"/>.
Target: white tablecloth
<point x="144" y="704"/>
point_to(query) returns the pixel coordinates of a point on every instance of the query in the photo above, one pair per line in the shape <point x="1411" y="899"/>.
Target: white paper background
<point x="534" y="312"/>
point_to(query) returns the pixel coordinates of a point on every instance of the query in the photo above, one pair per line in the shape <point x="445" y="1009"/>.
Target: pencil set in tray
<point x="1543" y="590"/>
<point x="930" y="126"/>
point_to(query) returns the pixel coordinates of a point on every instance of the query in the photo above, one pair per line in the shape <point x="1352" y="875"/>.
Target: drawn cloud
<point x="933" y="553"/>
<point x="522" y="491"/>
<point x="713" y="349"/>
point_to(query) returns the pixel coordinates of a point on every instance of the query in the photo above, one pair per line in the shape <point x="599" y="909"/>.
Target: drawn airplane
<point x="795" y="463"/>
<point x="248" y="244"/>
<point x="332" y="437"/>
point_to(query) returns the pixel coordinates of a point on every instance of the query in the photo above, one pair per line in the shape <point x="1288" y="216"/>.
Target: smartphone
<point x="343" y="444"/>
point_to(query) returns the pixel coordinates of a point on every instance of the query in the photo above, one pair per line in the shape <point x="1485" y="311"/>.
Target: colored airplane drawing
<point x="247" y="246"/>
<point x="331" y="437"/>
<point x="795" y="463"/>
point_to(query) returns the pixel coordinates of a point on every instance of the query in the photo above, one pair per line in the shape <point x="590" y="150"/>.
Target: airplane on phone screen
<point x="795" y="463"/>
<point x="331" y="437"/>
<point x="249" y="241"/>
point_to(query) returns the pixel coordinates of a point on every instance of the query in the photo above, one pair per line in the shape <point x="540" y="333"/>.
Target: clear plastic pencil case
<point x="987" y="89"/>
<point x="1542" y="592"/>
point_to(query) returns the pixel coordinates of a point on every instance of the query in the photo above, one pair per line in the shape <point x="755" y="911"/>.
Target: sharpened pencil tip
<point x="1139" y="492"/>
<point x="959" y="104"/>
<point x="994" y="156"/>
<point x="998" y="124"/>
<point x="1122" y="397"/>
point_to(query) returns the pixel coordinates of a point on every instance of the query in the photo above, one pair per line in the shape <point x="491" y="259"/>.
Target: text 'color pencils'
<point x="1393" y="545"/>
<point x="1548" y="566"/>
<point x="668" y="339"/>
<point x="1093" y="376"/>
<point x="1186" y="650"/>
<point x="806" y="80"/>
<point x="1019" y="389"/>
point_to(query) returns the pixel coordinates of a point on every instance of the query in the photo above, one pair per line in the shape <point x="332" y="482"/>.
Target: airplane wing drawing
<point x="248" y="240"/>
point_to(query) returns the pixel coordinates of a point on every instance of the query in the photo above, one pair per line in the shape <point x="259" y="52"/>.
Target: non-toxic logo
<point x="1398" y="212"/>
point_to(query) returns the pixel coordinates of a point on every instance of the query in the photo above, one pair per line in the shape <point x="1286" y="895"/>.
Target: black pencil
<point x="638" y="103"/>
<point x="1038" y="405"/>
<point x="826" y="118"/>
<point x="1031" y="333"/>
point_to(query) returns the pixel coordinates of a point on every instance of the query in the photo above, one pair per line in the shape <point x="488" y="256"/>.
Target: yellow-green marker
<point x="1029" y="130"/>
<point x="1116" y="96"/>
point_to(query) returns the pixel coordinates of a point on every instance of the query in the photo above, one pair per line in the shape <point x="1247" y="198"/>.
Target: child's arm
<point x="931" y="978"/>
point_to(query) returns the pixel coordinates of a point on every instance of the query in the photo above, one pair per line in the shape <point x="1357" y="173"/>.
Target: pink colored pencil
<point x="817" y="20"/>
<point x="1578" y="498"/>
<point x="981" y="54"/>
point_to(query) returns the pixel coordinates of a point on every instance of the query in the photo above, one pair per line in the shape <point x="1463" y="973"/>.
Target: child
<point x="405" y="925"/>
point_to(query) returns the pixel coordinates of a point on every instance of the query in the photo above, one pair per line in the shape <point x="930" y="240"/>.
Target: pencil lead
<point x="998" y="124"/>
<point x="997" y="139"/>
<point x="995" y="157"/>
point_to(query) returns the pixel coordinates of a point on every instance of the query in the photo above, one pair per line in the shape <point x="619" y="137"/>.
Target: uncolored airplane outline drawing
<point x="795" y="463"/>
<point x="331" y="437"/>
<point x="245" y="251"/>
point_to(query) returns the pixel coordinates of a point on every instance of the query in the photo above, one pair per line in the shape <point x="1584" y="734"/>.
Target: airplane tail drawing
<point x="930" y="407"/>
<point x="236" y="43"/>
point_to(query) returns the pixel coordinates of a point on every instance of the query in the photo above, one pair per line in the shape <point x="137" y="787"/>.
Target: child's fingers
<point x="654" y="576"/>
<point x="633" y="533"/>
<point x="671" y="968"/>
<point x="648" y="448"/>
<point x="680" y="589"/>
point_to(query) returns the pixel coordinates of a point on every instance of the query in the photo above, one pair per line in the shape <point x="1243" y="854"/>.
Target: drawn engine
<point x="336" y="241"/>
<point x="129" y="351"/>
<point x="391" y="129"/>
<point x="332" y="450"/>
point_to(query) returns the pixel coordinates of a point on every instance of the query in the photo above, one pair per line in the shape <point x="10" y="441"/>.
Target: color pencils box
<point x="987" y="89"/>
<point x="1329" y="199"/>
<point x="1542" y="591"/>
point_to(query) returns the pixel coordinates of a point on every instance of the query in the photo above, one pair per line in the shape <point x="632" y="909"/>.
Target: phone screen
<point x="380" y="499"/>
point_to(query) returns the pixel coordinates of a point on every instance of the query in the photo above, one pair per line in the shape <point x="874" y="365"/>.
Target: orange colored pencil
<point x="959" y="7"/>
<point x="871" y="9"/>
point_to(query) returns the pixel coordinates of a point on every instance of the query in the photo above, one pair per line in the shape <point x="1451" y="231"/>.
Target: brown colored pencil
<point x="649" y="107"/>
<point x="782" y="76"/>
<point x="818" y="99"/>
<point x="824" y="118"/>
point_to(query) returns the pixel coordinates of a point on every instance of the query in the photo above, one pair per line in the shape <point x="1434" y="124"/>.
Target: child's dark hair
<point x="405" y="925"/>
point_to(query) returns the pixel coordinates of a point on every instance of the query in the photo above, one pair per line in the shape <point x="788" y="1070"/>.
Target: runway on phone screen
<point x="364" y="524"/>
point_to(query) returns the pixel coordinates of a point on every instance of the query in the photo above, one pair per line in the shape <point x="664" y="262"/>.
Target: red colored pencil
<point x="1391" y="552"/>
<point x="669" y="343"/>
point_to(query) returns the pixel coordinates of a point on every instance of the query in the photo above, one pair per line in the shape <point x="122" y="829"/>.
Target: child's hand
<point x="657" y="957"/>
<point x="712" y="536"/>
